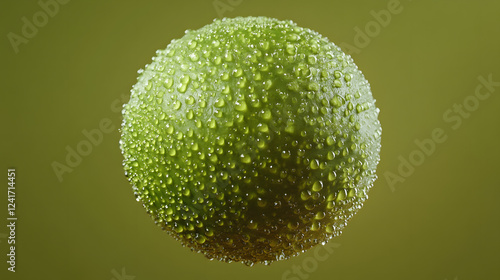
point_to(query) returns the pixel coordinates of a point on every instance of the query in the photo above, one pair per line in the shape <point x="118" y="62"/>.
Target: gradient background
<point x="442" y="222"/>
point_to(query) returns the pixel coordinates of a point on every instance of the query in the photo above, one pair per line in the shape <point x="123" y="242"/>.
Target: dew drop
<point x="304" y="195"/>
<point x="194" y="57"/>
<point x="190" y="100"/>
<point x="290" y="127"/>
<point x="313" y="86"/>
<point x="350" y="107"/>
<point x="315" y="226"/>
<point x="311" y="59"/>
<point x="319" y="215"/>
<point x="195" y="147"/>
<point x="172" y="152"/>
<point x="245" y="158"/>
<point x="268" y="84"/>
<point x="293" y="225"/>
<point x="242" y="82"/>
<point x="263" y="127"/>
<point x="177" y="105"/>
<point x="330" y="155"/>
<point x="201" y="239"/>
<point x="267" y="114"/>
<point x="317" y="186"/>
<point x="179" y="135"/>
<point x="261" y="203"/>
<point x="265" y="45"/>
<point x="238" y="72"/>
<point x="329" y="228"/>
<point x="169" y="82"/>
<point x="257" y="76"/>
<point x="170" y="129"/>
<point x="192" y="44"/>
<point x="228" y="56"/>
<point x="241" y="106"/>
<point x="336" y="101"/>
<point x="337" y="74"/>
<point x="219" y="103"/>
<point x="285" y="154"/>
<point x="178" y="228"/>
<point x="292" y="37"/>
<point x="252" y="224"/>
<point x="213" y="158"/>
<point x="212" y="124"/>
<point x="314" y="164"/>
<point x="341" y="196"/>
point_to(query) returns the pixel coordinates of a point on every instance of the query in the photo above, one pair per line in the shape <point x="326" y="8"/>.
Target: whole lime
<point x="251" y="139"/>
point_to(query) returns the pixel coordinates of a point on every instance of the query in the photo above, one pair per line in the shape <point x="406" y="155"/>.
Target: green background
<point x="441" y="222"/>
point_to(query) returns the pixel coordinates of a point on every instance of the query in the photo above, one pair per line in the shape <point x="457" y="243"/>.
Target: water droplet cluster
<point x="251" y="139"/>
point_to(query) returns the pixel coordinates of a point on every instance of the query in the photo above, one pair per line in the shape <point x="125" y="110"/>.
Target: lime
<point x="251" y="139"/>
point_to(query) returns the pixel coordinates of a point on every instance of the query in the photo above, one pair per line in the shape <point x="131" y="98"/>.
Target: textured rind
<point x="251" y="139"/>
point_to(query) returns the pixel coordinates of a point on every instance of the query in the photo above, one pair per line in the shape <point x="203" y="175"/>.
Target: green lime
<point x="251" y="139"/>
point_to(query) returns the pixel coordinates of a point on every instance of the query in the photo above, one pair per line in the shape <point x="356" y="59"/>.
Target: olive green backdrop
<point x="432" y="214"/>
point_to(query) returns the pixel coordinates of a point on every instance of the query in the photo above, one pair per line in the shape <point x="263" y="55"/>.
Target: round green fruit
<point x="251" y="139"/>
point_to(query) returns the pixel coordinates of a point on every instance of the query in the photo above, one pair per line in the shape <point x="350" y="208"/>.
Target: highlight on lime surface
<point x="251" y="139"/>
